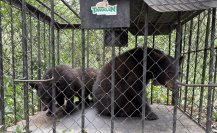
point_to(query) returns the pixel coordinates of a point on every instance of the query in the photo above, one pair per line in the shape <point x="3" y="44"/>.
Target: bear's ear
<point x="181" y="60"/>
<point x="33" y="85"/>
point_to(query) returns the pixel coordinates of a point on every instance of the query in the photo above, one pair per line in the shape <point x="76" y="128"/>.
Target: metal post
<point x="144" y="67"/>
<point x="58" y="46"/>
<point x="136" y="41"/>
<point x="2" y="105"/>
<point x="39" y="48"/>
<point x="13" y="61"/>
<point x="183" y="50"/>
<point x="88" y="48"/>
<point x="39" y="54"/>
<point x="209" y="104"/>
<point x="195" y="63"/>
<point x="168" y="91"/>
<point x="49" y="45"/>
<point x="214" y="80"/>
<point x="204" y="66"/>
<point x="177" y="56"/>
<point x="30" y="45"/>
<point x="119" y="50"/>
<point x="188" y="62"/>
<point x="53" y="63"/>
<point x="45" y="51"/>
<point x="83" y="79"/>
<point x="182" y="67"/>
<point x="103" y="55"/>
<point x="152" y="87"/>
<point x="31" y="62"/>
<point x="113" y="84"/>
<point x="73" y="48"/>
<point x="25" y="64"/>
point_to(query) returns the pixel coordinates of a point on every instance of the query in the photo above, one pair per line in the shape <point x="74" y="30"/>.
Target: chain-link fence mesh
<point x="151" y="77"/>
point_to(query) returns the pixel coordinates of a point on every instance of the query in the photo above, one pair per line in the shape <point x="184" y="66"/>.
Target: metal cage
<point x="36" y="36"/>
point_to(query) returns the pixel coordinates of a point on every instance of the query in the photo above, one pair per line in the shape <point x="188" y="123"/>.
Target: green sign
<point x="103" y="8"/>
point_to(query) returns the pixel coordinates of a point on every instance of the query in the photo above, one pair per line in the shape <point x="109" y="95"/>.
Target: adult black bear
<point x="128" y="82"/>
<point x="68" y="84"/>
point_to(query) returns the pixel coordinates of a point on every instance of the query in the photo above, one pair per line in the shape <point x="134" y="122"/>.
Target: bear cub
<point x="68" y="83"/>
<point x="128" y="82"/>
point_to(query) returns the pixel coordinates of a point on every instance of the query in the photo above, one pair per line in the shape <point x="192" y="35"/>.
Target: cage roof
<point x="160" y="23"/>
<point x="180" y="5"/>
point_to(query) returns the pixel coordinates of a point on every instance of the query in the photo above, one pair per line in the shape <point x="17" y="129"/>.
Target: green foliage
<point x="69" y="131"/>
<point x="19" y="129"/>
<point x="214" y="116"/>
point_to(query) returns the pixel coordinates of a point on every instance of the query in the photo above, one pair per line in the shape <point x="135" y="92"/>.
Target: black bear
<point x="128" y="82"/>
<point x="68" y="84"/>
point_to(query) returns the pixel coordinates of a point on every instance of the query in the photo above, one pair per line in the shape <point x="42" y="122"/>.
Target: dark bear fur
<point x="68" y="84"/>
<point x="128" y="82"/>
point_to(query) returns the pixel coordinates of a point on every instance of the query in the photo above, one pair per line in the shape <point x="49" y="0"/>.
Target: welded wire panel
<point x="183" y="5"/>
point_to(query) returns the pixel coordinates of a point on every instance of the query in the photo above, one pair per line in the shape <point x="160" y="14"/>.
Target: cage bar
<point x="58" y="46"/>
<point x="204" y="66"/>
<point x="211" y="64"/>
<point x="169" y="51"/>
<point x="153" y="46"/>
<point x="73" y="48"/>
<point x="53" y="64"/>
<point x="12" y="64"/>
<point x="45" y="53"/>
<point x="195" y="61"/>
<point x="177" y="57"/>
<point x="25" y="64"/>
<point x="71" y="9"/>
<point x="144" y="100"/>
<point x="103" y="55"/>
<point x="214" y="81"/>
<point x="83" y="79"/>
<point x="39" y="54"/>
<point x="136" y="41"/>
<point x="188" y="63"/>
<point x="2" y="105"/>
<point x="183" y="49"/>
<point x="88" y="49"/>
<point x="113" y="85"/>
<point x="49" y="45"/>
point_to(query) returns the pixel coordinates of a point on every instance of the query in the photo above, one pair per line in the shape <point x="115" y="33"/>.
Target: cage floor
<point x="94" y="123"/>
